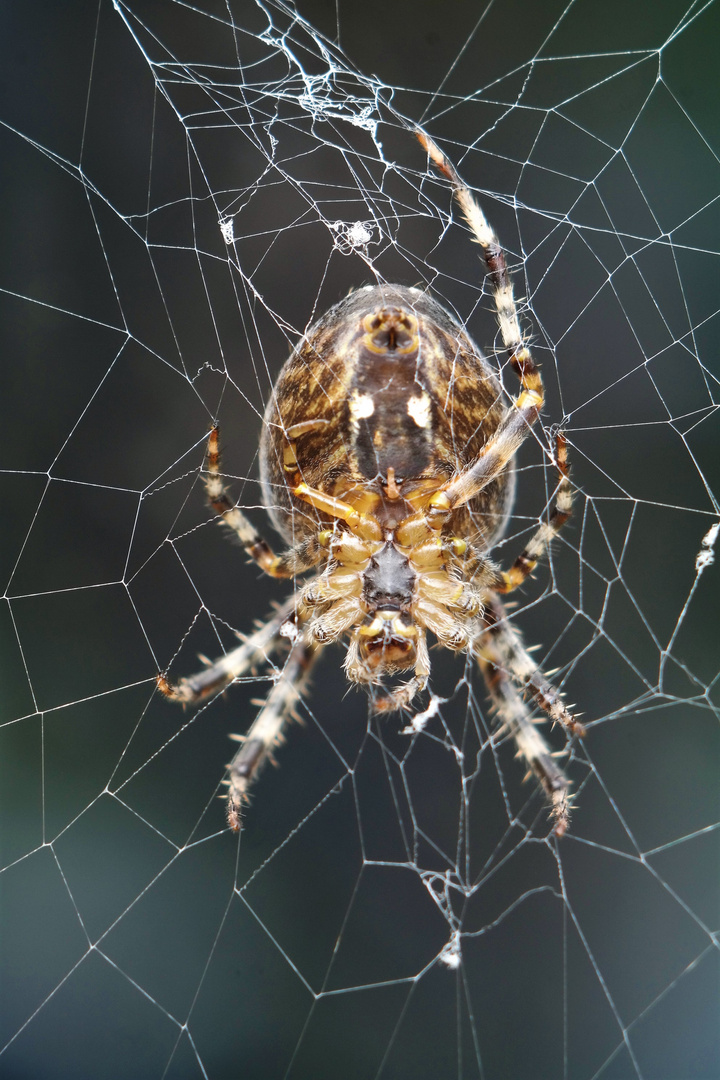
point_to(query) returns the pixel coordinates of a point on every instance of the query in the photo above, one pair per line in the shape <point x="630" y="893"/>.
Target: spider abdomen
<point x="385" y="399"/>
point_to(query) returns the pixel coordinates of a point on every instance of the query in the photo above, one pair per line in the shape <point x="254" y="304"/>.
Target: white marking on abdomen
<point x="419" y="409"/>
<point x="361" y="406"/>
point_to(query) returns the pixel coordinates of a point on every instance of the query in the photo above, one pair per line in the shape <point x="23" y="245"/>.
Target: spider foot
<point x="561" y="814"/>
<point x="234" y="817"/>
<point x="252" y="753"/>
<point x="399" y="698"/>
<point x="174" y="691"/>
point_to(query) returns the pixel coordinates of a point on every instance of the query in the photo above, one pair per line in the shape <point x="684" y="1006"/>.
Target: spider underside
<point x="387" y="466"/>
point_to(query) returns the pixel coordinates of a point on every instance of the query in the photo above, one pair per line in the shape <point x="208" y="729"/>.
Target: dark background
<point x="139" y="938"/>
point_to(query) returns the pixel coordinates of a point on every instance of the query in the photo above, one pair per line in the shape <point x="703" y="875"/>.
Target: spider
<point x="387" y="466"/>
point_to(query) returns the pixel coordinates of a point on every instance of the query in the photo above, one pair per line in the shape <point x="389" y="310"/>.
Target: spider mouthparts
<point x="388" y="642"/>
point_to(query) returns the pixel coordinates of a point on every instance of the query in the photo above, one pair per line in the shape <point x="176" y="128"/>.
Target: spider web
<point x="186" y="187"/>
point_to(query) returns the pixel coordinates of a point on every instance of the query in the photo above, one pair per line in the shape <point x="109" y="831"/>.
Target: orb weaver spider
<point x="387" y="466"/>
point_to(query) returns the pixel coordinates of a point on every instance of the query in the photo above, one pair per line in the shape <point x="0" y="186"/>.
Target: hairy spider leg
<point x="266" y="731"/>
<point x="494" y="257"/>
<point x="525" y="409"/>
<point x="509" y="659"/>
<point x="303" y="556"/>
<point x="509" y="651"/>
<point x="256" y="649"/>
<point x="514" y="715"/>
<point x="540" y="541"/>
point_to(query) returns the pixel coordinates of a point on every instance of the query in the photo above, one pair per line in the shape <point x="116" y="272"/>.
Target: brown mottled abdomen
<point x="389" y="390"/>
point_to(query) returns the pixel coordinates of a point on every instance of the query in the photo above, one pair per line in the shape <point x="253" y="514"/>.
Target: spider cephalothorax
<point x="387" y="465"/>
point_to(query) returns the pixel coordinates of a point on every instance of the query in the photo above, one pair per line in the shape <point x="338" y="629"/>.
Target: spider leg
<point x="267" y="728"/>
<point x="301" y="557"/>
<point x="514" y="715"/>
<point x="527" y="560"/>
<point x="266" y="731"/>
<point x="503" y="659"/>
<point x="362" y="525"/>
<point x="492" y="251"/>
<point x="255" y="650"/>
<point x="502" y="645"/>
<point x="526" y="407"/>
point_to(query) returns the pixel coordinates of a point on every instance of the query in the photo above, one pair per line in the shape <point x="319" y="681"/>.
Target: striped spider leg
<point x="511" y="675"/>
<point x="507" y="667"/>
<point x="257" y="649"/>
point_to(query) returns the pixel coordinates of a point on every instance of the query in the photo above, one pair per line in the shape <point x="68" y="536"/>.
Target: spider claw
<point x="172" y="691"/>
<point x="164" y="686"/>
<point x="561" y="826"/>
<point x="234" y="819"/>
